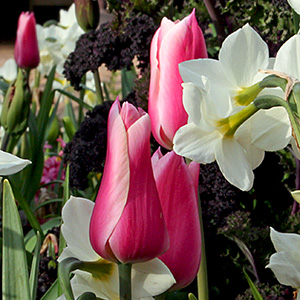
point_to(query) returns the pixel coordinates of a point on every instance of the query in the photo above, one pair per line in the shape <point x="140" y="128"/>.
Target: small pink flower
<point x="26" y="47"/>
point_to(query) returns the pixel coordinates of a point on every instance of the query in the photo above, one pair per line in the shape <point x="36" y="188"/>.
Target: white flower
<point x="285" y="263"/>
<point x="295" y="4"/>
<point x="9" y="70"/>
<point x="148" y="279"/>
<point x="56" y="42"/>
<point x="10" y="164"/>
<point x="212" y="92"/>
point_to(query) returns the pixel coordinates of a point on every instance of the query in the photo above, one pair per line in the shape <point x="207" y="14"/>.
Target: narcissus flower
<point x="295" y="4"/>
<point x="223" y="123"/>
<point x="177" y="184"/>
<point x="26" y="46"/>
<point x="10" y="164"/>
<point x="148" y="279"/>
<point x="127" y="224"/>
<point x="285" y="263"/>
<point x="173" y="43"/>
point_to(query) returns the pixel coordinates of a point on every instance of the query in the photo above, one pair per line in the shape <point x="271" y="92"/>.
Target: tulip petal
<point x="10" y="164"/>
<point x="242" y="54"/>
<point x="178" y="193"/>
<point x="141" y="230"/>
<point x="233" y="163"/>
<point x="295" y="5"/>
<point x="198" y="145"/>
<point x="113" y="192"/>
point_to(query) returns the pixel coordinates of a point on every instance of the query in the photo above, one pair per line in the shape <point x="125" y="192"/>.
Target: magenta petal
<point x="165" y="94"/>
<point x="141" y="232"/>
<point x="178" y="193"/>
<point x="113" y="192"/>
<point x="26" y="45"/>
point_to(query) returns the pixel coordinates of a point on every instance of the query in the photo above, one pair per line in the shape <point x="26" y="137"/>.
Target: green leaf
<point x="15" y="282"/>
<point x="192" y="296"/>
<point x="254" y="290"/>
<point x="71" y="96"/>
<point x="87" y="296"/>
<point x="127" y="79"/>
<point x="52" y="293"/>
<point x="69" y="127"/>
<point x="65" y="268"/>
<point x="33" y="279"/>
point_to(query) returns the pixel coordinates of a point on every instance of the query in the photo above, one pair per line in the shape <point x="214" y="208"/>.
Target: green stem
<point x="125" y="281"/>
<point x="202" y="278"/>
<point x="99" y="93"/>
<point x="5" y="141"/>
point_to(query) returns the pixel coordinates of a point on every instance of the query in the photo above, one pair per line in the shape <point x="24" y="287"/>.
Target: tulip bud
<point x="127" y="223"/>
<point x="26" y="47"/>
<point x="16" y="106"/>
<point x="177" y="185"/>
<point x="87" y="14"/>
<point x="165" y="94"/>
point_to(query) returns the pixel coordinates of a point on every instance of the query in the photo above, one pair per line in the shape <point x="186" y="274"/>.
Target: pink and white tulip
<point x="177" y="185"/>
<point x="26" y="46"/>
<point x="173" y="43"/>
<point x="127" y="223"/>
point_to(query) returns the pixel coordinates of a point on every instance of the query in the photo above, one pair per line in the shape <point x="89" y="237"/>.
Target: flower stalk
<point x="125" y="281"/>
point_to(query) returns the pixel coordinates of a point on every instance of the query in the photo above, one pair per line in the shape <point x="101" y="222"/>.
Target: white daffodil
<point x="285" y="263"/>
<point x="214" y="90"/>
<point x="148" y="279"/>
<point x="11" y="164"/>
<point x="295" y="4"/>
<point x="9" y="70"/>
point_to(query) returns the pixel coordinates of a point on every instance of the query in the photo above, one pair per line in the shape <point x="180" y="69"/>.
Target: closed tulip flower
<point x="26" y="46"/>
<point x="173" y="43"/>
<point x="127" y="223"/>
<point x="177" y="185"/>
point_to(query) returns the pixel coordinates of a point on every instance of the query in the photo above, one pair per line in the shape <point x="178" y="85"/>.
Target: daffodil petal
<point x="10" y="164"/>
<point x="267" y="126"/>
<point x="233" y="163"/>
<point x="151" y="278"/>
<point x="295" y="4"/>
<point x="192" y="142"/>
<point x="288" y="57"/>
<point x="242" y="54"/>
<point x="286" y="267"/>
<point x="76" y="215"/>
<point x="285" y="241"/>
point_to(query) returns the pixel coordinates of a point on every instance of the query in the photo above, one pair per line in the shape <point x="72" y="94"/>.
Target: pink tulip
<point x="127" y="223"/>
<point x="26" y="47"/>
<point x="173" y="43"/>
<point x="177" y="185"/>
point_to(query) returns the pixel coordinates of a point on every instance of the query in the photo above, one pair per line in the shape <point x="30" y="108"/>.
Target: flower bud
<point x="16" y="106"/>
<point x="26" y="47"/>
<point x="87" y="14"/>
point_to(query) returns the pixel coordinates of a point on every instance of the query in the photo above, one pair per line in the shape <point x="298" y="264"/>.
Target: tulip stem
<point x="202" y="281"/>
<point x="99" y="93"/>
<point x="125" y="281"/>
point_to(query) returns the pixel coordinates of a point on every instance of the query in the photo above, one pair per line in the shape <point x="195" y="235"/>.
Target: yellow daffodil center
<point x="100" y="269"/>
<point x="228" y="126"/>
<point x="246" y="95"/>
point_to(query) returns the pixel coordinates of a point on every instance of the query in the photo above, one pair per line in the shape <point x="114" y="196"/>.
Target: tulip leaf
<point x="254" y="290"/>
<point x="33" y="279"/>
<point x="69" y="127"/>
<point x="52" y="293"/>
<point x="65" y="268"/>
<point x="15" y="282"/>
